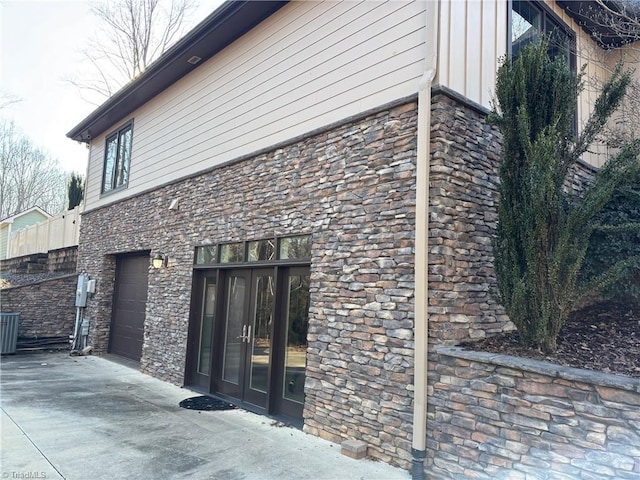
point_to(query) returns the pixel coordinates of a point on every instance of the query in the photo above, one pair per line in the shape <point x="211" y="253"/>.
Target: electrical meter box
<point x="84" y="328"/>
<point x="81" y="291"/>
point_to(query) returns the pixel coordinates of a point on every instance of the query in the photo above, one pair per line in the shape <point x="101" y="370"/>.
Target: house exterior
<point x="295" y="203"/>
<point x="17" y="222"/>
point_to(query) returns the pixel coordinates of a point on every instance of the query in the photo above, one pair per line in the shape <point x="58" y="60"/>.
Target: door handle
<point x="244" y="333"/>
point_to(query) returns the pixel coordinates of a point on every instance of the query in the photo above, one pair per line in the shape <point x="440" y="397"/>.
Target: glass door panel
<point x="290" y="344"/>
<point x="261" y="327"/>
<point x="206" y="326"/>
<point x="202" y="330"/>
<point x="261" y="338"/>
<point x="297" y="320"/>
<point x="248" y="319"/>
<point x="234" y="335"/>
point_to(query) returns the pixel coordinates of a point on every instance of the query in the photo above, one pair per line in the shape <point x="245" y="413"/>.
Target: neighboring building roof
<point x="601" y="21"/>
<point x="226" y="24"/>
<point x="24" y="212"/>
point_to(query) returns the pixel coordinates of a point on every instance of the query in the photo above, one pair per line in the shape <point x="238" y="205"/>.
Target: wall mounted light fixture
<point x="160" y="260"/>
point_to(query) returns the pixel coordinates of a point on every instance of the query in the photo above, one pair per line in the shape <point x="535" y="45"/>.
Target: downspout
<point x="423" y="153"/>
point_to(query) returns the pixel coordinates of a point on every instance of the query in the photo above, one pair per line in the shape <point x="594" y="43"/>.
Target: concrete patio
<point x="92" y="418"/>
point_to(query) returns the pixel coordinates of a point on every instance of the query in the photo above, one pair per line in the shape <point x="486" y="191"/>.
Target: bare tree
<point x="28" y="176"/>
<point x="619" y="19"/>
<point x="615" y="26"/>
<point x="133" y="34"/>
<point x="7" y="99"/>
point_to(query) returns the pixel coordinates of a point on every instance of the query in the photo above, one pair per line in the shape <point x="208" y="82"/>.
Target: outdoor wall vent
<point x="193" y="60"/>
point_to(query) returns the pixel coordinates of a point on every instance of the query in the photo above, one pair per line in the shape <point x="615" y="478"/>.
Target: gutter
<point x="423" y="153"/>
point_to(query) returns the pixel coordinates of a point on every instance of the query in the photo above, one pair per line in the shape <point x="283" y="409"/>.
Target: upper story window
<point x="117" y="157"/>
<point x="530" y="20"/>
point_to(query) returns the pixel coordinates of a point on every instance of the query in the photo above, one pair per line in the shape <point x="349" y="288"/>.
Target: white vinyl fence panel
<point x="60" y="231"/>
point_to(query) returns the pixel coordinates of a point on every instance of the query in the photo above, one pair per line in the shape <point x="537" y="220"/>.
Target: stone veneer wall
<point x="63" y="259"/>
<point x="462" y="285"/>
<point x="44" y="296"/>
<point x="353" y="189"/>
<point x="46" y="307"/>
<point x="462" y="217"/>
<point x="495" y="416"/>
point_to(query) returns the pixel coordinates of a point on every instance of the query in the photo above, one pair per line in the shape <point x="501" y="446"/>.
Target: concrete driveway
<point x="92" y="418"/>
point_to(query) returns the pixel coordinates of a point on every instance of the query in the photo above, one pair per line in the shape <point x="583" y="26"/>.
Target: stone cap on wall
<point x="545" y="368"/>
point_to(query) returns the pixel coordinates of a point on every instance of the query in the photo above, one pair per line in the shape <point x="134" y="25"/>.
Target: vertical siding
<point x="473" y="35"/>
<point x="598" y="65"/>
<point x="308" y="65"/>
<point x="473" y="49"/>
<point x="458" y="46"/>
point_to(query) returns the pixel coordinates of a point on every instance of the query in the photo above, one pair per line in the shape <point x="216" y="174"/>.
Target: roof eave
<point x="226" y="24"/>
<point x="592" y="18"/>
<point x="35" y="208"/>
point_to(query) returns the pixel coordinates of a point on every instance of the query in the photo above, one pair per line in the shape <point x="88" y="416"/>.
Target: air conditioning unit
<point x="9" y="323"/>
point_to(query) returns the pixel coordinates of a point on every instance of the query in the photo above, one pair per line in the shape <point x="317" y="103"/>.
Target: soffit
<point x="594" y="19"/>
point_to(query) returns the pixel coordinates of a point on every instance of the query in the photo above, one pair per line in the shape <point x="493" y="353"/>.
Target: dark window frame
<point x="245" y="262"/>
<point x="550" y="22"/>
<point x="122" y="161"/>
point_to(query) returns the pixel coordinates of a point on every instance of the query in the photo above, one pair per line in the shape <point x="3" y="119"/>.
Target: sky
<point x="40" y="45"/>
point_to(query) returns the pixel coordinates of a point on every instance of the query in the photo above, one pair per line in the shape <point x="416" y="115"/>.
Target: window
<point x="117" y="157"/>
<point x="529" y="20"/>
<point x="232" y="252"/>
<point x="296" y="249"/>
<point x="262" y="250"/>
<point x="206" y="254"/>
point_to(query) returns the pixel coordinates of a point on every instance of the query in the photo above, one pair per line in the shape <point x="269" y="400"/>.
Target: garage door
<point x="129" y="304"/>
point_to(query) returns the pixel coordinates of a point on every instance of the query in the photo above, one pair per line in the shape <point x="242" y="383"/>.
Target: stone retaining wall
<point x="494" y="416"/>
<point x="46" y="307"/>
<point x="463" y="443"/>
<point x="63" y="260"/>
<point x="42" y="288"/>
<point x="59" y="261"/>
